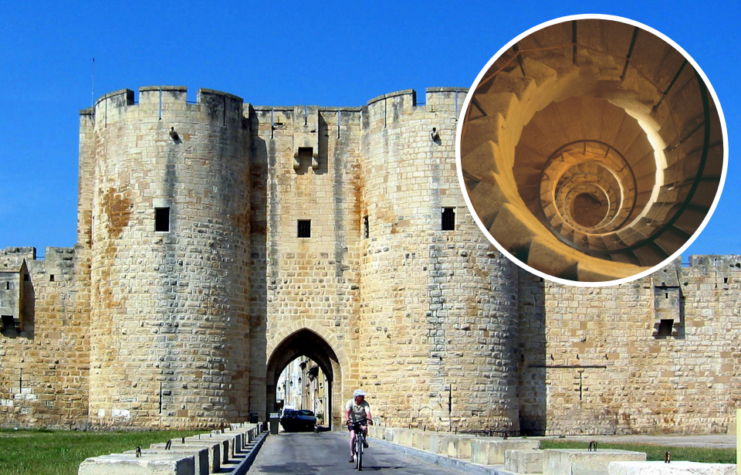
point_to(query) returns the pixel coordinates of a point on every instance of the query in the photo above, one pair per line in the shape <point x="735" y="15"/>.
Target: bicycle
<point x="359" y="441"/>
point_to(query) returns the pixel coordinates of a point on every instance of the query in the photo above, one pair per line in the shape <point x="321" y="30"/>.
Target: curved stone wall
<point x="169" y="326"/>
<point x="438" y="307"/>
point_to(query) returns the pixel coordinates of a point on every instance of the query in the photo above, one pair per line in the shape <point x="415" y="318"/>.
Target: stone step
<point x="493" y="103"/>
<point x="542" y="256"/>
<point x="481" y="160"/>
<point x="522" y="87"/>
<point x="514" y="231"/>
<point x="650" y="254"/>
<point x="480" y="131"/>
<point x="488" y="198"/>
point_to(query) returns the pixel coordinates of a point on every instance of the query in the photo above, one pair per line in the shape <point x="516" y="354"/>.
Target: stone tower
<point x="169" y="194"/>
<point x="438" y="307"/>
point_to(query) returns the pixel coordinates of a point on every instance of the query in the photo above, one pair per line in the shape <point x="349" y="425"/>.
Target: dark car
<point x="295" y="420"/>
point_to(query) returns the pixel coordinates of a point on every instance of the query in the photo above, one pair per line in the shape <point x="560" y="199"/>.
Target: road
<point x="308" y="453"/>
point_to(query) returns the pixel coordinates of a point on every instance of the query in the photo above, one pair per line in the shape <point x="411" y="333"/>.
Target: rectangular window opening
<point x="305" y="156"/>
<point x="366" y="228"/>
<point x="448" y="219"/>
<point x="304" y="228"/>
<point x="162" y="219"/>
<point x="51" y="277"/>
<point x="7" y="322"/>
<point x="7" y="285"/>
<point x="305" y="153"/>
<point x="665" y="328"/>
<point x="26" y="277"/>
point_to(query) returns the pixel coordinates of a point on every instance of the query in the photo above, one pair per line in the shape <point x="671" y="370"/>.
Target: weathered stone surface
<point x="524" y="461"/>
<point x="582" y="462"/>
<point x="492" y="452"/>
<point x="125" y="464"/>
<point x="200" y="456"/>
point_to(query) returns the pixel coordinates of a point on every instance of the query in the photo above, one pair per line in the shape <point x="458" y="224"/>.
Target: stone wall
<point x="44" y="377"/>
<point x="310" y="157"/>
<point x="594" y="362"/>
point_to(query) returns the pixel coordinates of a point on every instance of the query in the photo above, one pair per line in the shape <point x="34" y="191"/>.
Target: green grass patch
<point x="58" y="452"/>
<point x="654" y="452"/>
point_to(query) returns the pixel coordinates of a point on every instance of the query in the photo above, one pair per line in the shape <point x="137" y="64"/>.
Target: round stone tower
<point x="170" y="246"/>
<point x="436" y="338"/>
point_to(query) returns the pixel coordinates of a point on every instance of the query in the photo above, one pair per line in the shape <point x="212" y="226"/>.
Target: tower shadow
<point x="531" y="354"/>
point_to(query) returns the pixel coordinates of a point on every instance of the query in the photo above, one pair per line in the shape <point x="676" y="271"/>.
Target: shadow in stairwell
<point x="531" y="354"/>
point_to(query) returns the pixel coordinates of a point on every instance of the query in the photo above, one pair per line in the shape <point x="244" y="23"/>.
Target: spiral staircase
<point x="592" y="150"/>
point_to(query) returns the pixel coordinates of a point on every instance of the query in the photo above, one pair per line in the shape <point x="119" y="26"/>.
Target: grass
<point x="58" y="452"/>
<point x="655" y="452"/>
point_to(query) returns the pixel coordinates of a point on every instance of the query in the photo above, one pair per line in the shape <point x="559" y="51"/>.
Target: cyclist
<point x="357" y="409"/>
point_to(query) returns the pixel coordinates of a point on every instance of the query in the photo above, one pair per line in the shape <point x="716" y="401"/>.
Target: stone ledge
<point x="524" y="461"/>
<point x="192" y="455"/>
<point x="583" y="462"/>
<point x="201" y="456"/>
<point x="493" y="452"/>
<point x="125" y="464"/>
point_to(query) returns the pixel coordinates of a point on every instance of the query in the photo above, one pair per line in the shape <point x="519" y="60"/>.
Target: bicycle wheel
<point x="359" y="449"/>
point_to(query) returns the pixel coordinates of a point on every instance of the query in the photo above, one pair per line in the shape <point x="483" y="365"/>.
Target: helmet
<point x="358" y="392"/>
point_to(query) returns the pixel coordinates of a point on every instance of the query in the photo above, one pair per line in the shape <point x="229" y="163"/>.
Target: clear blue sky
<point x="283" y="53"/>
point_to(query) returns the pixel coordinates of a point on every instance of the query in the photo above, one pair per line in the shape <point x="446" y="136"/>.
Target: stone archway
<point x="307" y="343"/>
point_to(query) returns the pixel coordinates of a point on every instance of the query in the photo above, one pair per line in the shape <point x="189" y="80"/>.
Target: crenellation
<point x="445" y="99"/>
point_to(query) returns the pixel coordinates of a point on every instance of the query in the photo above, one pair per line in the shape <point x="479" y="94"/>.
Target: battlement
<point x="445" y="98"/>
<point x="167" y="103"/>
<point x="724" y="262"/>
<point x="171" y="103"/>
<point x="12" y="257"/>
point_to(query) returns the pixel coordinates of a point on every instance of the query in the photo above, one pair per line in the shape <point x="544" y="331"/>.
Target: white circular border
<point x="467" y="102"/>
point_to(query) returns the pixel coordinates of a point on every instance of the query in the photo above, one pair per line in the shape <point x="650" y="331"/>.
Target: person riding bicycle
<point x="357" y="409"/>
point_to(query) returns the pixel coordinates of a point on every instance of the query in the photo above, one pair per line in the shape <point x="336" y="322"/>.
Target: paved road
<point x="307" y="453"/>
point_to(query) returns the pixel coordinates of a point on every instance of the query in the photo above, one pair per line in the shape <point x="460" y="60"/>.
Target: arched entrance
<point x="306" y="343"/>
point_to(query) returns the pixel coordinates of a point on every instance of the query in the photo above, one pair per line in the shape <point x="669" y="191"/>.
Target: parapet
<point x="389" y="108"/>
<point x="167" y="103"/>
<point x="12" y="257"/>
<point x="709" y="261"/>
<point x="445" y="99"/>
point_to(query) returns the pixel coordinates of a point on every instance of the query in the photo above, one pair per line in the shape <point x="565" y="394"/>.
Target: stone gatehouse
<point x="218" y="240"/>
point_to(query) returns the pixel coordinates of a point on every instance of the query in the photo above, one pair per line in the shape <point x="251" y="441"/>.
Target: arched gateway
<point x="307" y="343"/>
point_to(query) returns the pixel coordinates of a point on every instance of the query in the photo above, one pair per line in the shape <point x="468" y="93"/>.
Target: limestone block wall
<point x="310" y="158"/>
<point x="44" y="377"/>
<point x="169" y="307"/>
<point x="593" y="363"/>
<point x="438" y="307"/>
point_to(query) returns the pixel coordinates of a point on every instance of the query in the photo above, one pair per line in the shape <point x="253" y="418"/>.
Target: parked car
<point x="295" y="420"/>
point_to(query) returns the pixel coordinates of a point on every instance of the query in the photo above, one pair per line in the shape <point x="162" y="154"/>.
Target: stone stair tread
<point x="481" y="160"/>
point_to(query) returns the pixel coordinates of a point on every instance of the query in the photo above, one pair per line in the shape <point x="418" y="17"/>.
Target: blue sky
<point x="283" y="53"/>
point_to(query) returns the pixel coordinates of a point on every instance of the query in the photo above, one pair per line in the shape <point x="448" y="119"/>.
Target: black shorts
<point x="350" y="427"/>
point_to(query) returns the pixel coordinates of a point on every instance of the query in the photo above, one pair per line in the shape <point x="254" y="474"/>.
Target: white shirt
<point x="356" y="412"/>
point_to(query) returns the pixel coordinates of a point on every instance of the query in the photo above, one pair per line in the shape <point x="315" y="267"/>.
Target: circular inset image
<point x="591" y="150"/>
